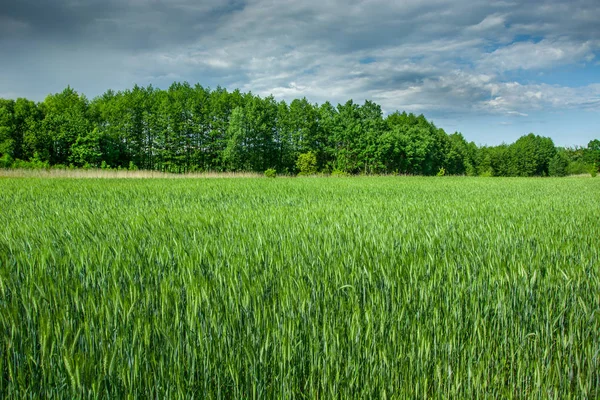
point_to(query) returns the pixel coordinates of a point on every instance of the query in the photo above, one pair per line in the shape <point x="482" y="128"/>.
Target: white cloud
<point x="544" y="54"/>
<point x="490" y="22"/>
<point x="515" y="96"/>
<point x="431" y="56"/>
<point x="518" y="114"/>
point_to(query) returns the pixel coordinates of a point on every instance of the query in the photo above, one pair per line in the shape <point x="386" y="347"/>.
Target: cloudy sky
<point x="493" y="70"/>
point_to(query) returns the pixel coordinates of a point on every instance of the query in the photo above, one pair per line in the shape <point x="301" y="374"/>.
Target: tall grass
<point x="115" y="173"/>
<point x="304" y="288"/>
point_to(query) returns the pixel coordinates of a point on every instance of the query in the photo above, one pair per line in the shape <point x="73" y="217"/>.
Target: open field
<point x="389" y="287"/>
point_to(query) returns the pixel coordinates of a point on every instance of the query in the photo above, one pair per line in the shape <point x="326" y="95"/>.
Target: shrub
<point x="441" y="172"/>
<point x="578" y="168"/>
<point x="487" y="173"/>
<point x="271" y="173"/>
<point x="470" y="169"/>
<point x="34" y="163"/>
<point x="339" y="173"/>
<point x="6" y="161"/>
<point x="307" y="163"/>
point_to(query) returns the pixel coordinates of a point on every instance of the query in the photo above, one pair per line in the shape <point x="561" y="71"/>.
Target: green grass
<point x="300" y="288"/>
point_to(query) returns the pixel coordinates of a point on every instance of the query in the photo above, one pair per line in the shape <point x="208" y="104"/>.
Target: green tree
<point x="459" y="158"/>
<point x="235" y="155"/>
<point x="346" y="138"/>
<point x="7" y="128"/>
<point x="19" y="121"/>
<point x="327" y="116"/>
<point x="64" y="121"/>
<point x="27" y="118"/>
<point x="221" y="105"/>
<point x="592" y="154"/>
<point x="87" y="149"/>
<point x="283" y="139"/>
<point x="199" y="123"/>
<point x="530" y="155"/>
<point x="559" y="164"/>
<point x="298" y="132"/>
<point x="370" y="158"/>
<point x="108" y="113"/>
<point x="251" y="132"/>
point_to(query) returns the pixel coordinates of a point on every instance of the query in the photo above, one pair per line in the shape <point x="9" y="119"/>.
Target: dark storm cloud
<point x="132" y="25"/>
<point x="436" y="56"/>
<point x="51" y="18"/>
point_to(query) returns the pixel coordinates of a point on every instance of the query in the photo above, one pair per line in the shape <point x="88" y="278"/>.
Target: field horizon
<point x="145" y="174"/>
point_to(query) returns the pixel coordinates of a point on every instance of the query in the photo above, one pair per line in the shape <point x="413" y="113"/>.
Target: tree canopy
<point x="192" y="128"/>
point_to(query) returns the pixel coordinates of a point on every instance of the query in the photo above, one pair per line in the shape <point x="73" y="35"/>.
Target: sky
<point x="492" y="70"/>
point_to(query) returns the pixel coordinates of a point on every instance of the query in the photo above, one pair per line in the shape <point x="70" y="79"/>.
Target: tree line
<point x="192" y="128"/>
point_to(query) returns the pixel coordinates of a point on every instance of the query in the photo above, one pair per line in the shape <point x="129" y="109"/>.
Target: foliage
<point x="336" y="173"/>
<point x="441" y="172"/>
<point x="307" y="163"/>
<point x="6" y="161"/>
<point x="530" y="156"/>
<point x="592" y="154"/>
<point x="559" y="164"/>
<point x="191" y="128"/>
<point x="395" y="287"/>
<point x="87" y="149"/>
<point x="578" y="168"/>
<point x="35" y="163"/>
<point x="470" y="169"/>
<point x="271" y="173"/>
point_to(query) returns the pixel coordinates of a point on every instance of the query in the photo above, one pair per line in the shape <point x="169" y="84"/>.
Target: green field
<point x="389" y="287"/>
